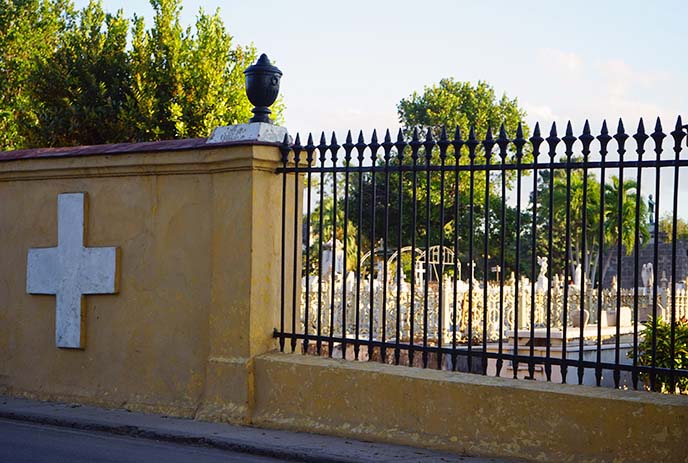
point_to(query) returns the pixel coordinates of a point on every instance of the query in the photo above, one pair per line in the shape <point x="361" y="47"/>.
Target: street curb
<point x="271" y="443"/>
<point x="178" y="438"/>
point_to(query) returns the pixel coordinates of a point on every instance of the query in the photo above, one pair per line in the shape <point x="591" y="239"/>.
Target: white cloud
<point x="622" y="78"/>
<point x="354" y="112"/>
<point x="599" y="89"/>
<point x="542" y="113"/>
<point x="560" y="60"/>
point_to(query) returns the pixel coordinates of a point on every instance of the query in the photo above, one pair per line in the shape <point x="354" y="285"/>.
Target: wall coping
<point x="174" y="157"/>
<point x="123" y="148"/>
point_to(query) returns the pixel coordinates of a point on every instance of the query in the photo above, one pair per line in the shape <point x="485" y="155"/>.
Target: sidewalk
<point x="278" y="444"/>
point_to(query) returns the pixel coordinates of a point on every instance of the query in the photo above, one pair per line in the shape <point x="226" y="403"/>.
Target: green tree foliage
<point x="80" y="91"/>
<point x="666" y="226"/>
<point x="29" y="33"/>
<point x="72" y="77"/>
<point x="454" y="104"/>
<point x="450" y="105"/>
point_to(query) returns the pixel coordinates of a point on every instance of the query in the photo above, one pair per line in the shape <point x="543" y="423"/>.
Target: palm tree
<point x="628" y="193"/>
<point x="597" y="253"/>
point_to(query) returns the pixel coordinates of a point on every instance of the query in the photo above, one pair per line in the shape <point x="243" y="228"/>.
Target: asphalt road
<point x="22" y="442"/>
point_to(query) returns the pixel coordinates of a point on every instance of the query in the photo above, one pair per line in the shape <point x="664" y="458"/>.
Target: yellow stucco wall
<point x="469" y="414"/>
<point x="195" y="230"/>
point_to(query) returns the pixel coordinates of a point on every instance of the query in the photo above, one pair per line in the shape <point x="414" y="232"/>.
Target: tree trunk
<point x="575" y="259"/>
<point x="607" y="262"/>
<point x="596" y="262"/>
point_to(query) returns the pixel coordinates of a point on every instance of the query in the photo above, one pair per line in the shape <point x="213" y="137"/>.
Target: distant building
<point x="646" y="254"/>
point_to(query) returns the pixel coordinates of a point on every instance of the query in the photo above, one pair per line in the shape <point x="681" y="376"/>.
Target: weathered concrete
<point x="468" y="414"/>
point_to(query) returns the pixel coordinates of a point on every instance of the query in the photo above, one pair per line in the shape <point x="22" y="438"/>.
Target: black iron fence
<point x="561" y="259"/>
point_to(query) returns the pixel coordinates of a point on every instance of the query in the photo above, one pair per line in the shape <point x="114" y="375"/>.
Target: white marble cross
<point x="71" y="270"/>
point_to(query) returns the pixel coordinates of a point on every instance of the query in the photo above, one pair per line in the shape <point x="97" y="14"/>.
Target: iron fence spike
<point x="604" y="130"/>
<point x="443" y="143"/>
<point x="443" y="134"/>
<point x="297" y="148"/>
<point x="334" y="148"/>
<point x="503" y="141"/>
<point x="586" y="138"/>
<point x="285" y="149"/>
<point x="519" y="129"/>
<point x="678" y="134"/>
<point x="658" y="135"/>
<point x="322" y="147"/>
<point x="457" y="134"/>
<point x="388" y="137"/>
<point x="428" y="144"/>
<point x="519" y="142"/>
<point x="640" y="137"/>
<point x="621" y="136"/>
<point x="471" y="133"/>
<point x="488" y="133"/>
<point x="552" y="140"/>
<point x="310" y="148"/>
<point x="535" y="140"/>
<point x="603" y="138"/>
<point x="360" y="147"/>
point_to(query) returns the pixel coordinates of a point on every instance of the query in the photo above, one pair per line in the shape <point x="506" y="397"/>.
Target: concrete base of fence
<point x="470" y="414"/>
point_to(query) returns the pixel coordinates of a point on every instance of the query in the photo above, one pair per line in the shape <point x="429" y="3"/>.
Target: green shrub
<point x="662" y="358"/>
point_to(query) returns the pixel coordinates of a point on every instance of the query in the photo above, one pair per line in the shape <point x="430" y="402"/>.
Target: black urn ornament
<point x="262" y="87"/>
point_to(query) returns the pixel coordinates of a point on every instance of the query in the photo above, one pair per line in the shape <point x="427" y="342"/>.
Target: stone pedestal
<point x="253" y="132"/>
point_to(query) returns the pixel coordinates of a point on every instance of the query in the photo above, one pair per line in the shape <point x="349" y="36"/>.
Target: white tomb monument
<point x="578" y="276"/>
<point x="647" y="274"/>
<point x="542" y="281"/>
<point x="71" y="270"/>
<point x="329" y="254"/>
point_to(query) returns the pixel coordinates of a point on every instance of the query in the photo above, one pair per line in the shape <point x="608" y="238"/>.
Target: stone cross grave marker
<point x="71" y="270"/>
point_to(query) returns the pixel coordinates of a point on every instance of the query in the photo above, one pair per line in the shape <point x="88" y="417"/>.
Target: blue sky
<point x="347" y="64"/>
